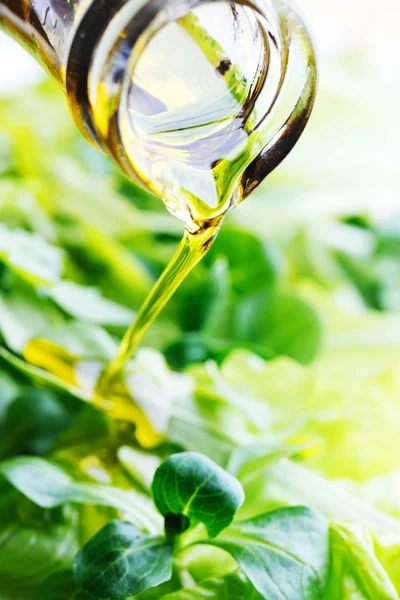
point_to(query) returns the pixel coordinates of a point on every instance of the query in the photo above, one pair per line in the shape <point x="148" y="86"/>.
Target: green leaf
<point x="200" y="562"/>
<point x="79" y="340"/>
<point x="87" y="304"/>
<point x="191" y="348"/>
<point x="195" y="348"/>
<point x="356" y="571"/>
<point x="91" y="429"/>
<point x="75" y="353"/>
<point x="361" y="273"/>
<point x="208" y="422"/>
<point x="61" y="586"/>
<point x="339" y="398"/>
<point x="253" y="264"/>
<point x="9" y="390"/>
<point x="234" y="586"/>
<point x="295" y="483"/>
<point x="23" y="314"/>
<point x="39" y="376"/>
<point x="257" y="412"/>
<point x="387" y="551"/>
<point x="33" y="422"/>
<point x="192" y="433"/>
<point x="247" y="462"/>
<point x="155" y="593"/>
<point x="146" y="396"/>
<point x="121" y="561"/>
<point x="282" y="322"/>
<point x="192" y="485"/>
<point x="30" y="256"/>
<point x="34" y="543"/>
<point x="49" y="485"/>
<point x="284" y="553"/>
<point x="139" y="465"/>
<point x="203" y="303"/>
<point x="124" y="276"/>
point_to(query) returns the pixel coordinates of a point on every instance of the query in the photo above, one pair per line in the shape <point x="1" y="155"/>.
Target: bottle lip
<point x="113" y="34"/>
<point x="91" y="27"/>
<point x="98" y="115"/>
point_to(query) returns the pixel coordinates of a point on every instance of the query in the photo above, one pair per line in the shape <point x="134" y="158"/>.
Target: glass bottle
<point x="196" y="100"/>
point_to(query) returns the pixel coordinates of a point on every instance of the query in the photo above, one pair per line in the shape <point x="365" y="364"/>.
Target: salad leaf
<point x="24" y="313"/>
<point x="61" y="585"/>
<point x="140" y="466"/>
<point x="31" y="256"/>
<point x="49" y="485"/>
<point x="121" y="561"/>
<point x="33" y="422"/>
<point x="34" y="543"/>
<point x="231" y="587"/>
<point x="37" y="375"/>
<point x="295" y="483"/>
<point x="195" y="348"/>
<point x="338" y="399"/>
<point x="253" y="263"/>
<point x="284" y="323"/>
<point x="9" y="390"/>
<point x="189" y="349"/>
<point x="77" y="339"/>
<point x="190" y="484"/>
<point x="284" y="553"/>
<point x="205" y="300"/>
<point x="356" y="571"/>
<point x="247" y="462"/>
<point x="87" y="304"/>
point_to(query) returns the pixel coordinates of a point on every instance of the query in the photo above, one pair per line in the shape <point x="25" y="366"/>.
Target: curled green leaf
<point x="192" y="485"/>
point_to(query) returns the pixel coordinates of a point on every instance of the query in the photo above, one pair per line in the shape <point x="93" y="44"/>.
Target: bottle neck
<point x="99" y="60"/>
<point x="67" y="37"/>
<point x="26" y="21"/>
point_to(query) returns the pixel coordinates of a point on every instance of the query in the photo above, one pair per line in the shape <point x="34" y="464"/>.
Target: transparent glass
<point x="196" y="100"/>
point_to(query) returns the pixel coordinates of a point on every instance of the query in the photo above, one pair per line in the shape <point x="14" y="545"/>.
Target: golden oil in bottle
<point x="194" y="99"/>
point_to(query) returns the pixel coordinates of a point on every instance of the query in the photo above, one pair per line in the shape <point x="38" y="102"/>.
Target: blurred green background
<point x="289" y="331"/>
